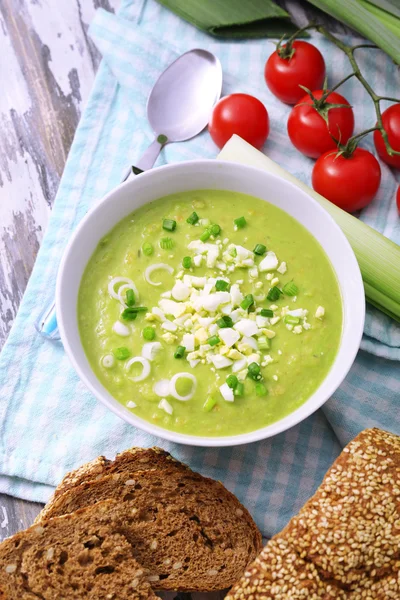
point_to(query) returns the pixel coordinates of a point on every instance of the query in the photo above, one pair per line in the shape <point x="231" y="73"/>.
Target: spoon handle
<point x="46" y="325"/>
<point x="149" y="157"/>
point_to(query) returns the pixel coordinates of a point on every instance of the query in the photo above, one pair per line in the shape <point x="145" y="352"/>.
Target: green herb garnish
<point x="180" y="352"/>
<point x="247" y="301"/>
<point x="291" y="320"/>
<point x="232" y="381"/>
<point x="149" y="333"/>
<point x="290" y="289"/>
<point x="213" y="340"/>
<point x="186" y="262"/>
<point x="169" y="224"/>
<point x="147" y="248"/>
<point x="240" y="222"/>
<point x="260" y="249"/>
<point x="192" y="220"/>
<point x="166" y="243"/>
<point x="205" y="235"/>
<point x="266" y="312"/>
<point x="121" y="353"/>
<point x="215" y="229"/>
<point x="274" y="294"/>
<point x="221" y="285"/>
<point x="225" y="321"/>
<point x="254" y="371"/>
<point x="130" y="297"/>
<point x="209" y="404"/>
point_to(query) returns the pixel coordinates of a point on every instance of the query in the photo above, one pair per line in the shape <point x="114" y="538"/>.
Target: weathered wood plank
<point x="48" y="62"/>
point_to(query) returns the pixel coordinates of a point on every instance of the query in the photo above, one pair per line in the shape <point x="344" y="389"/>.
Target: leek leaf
<point x="234" y="18"/>
<point x="355" y="14"/>
<point x="390" y="6"/>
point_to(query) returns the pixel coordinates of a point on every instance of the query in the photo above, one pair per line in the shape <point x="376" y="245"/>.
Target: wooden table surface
<point x="49" y="63"/>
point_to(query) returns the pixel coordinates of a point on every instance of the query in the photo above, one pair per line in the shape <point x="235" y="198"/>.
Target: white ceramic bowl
<point x="210" y="174"/>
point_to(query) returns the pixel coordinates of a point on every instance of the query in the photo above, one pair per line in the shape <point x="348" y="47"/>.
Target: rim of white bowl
<point x="311" y="405"/>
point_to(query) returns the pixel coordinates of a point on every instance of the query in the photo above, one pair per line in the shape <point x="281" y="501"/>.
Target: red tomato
<point x="309" y="132"/>
<point x="241" y="114"/>
<point x="350" y="183"/>
<point x="398" y="199"/>
<point x="391" y="124"/>
<point x="305" y="67"/>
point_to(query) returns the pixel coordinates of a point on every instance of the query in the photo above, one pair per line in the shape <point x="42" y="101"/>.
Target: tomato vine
<point x="356" y="72"/>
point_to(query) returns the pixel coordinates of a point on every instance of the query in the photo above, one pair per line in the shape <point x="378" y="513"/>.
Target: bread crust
<point x="132" y="459"/>
<point x="345" y="542"/>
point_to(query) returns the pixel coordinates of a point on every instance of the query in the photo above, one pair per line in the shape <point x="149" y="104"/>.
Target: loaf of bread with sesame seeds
<point x="345" y="542"/>
<point x="131" y="460"/>
<point x="73" y="557"/>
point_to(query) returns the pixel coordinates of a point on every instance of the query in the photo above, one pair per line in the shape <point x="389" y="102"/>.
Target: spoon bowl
<point x="181" y="101"/>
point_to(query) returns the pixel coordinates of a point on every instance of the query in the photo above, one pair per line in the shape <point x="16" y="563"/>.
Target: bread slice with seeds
<point x="345" y="542"/>
<point x="76" y="556"/>
<point x="190" y="532"/>
<point x="133" y="459"/>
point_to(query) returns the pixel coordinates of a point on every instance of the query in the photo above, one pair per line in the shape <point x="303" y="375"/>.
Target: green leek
<point x="377" y="256"/>
<point x="369" y="19"/>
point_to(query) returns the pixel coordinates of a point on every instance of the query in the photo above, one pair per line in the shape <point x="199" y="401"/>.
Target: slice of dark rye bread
<point x="345" y="542"/>
<point x="73" y="557"/>
<point x="133" y="459"/>
<point x="188" y="530"/>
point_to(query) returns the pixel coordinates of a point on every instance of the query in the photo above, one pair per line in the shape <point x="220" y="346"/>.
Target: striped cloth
<point x="49" y="422"/>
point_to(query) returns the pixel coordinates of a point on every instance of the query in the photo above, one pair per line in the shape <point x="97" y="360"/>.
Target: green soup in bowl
<point x="210" y="303"/>
<point x="210" y="313"/>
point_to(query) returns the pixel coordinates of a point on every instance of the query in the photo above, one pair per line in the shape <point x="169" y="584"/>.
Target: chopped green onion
<point x="221" y="285"/>
<point x="240" y="222"/>
<point x="121" y="353"/>
<point x="247" y="302"/>
<point x="186" y="262"/>
<point x="205" y="235"/>
<point x="290" y="289"/>
<point x="274" y="294"/>
<point x="263" y="342"/>
<point x="147" y="248"/>
<point x="266" y="312"/>
<point x="213" y="340"/>
<point x="254" y="371"/>
<point x="232" y="381"/>
<point x="130" y="297"/>
<point x="130" y="314"/>
<point x="192" y="220"/>
<point x="180" y="352"/>
<point x="292" y="320"/>
<point x="166" y="243"/>
<point x="233" y="252"/>
<point x="239" y="389"/>
<point x="209" y="404"/>
<point x="215" y="229"/>
<point x="261" y="390"/>
<point x="225" y="322"/>
<point x="149" y="333"/>
<point x="169" y="224"/>
<point x="260" y="249"/>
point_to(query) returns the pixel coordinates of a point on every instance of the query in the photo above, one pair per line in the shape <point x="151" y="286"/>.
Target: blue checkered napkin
<point x="49" y="422"/>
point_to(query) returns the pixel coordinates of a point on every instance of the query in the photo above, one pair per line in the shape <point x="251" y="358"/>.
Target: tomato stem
<point x="350" y="51"/>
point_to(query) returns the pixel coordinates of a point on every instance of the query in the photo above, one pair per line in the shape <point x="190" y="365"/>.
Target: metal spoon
<point x="180" y="104"/>
<point x="178" y="108"/>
